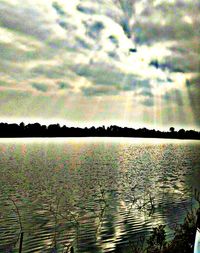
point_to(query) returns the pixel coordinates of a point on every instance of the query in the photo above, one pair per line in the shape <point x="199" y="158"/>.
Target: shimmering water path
<point x="92" y="194"/>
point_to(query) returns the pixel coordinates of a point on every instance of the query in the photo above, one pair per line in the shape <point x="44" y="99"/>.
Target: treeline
<point x="55" y="130"/>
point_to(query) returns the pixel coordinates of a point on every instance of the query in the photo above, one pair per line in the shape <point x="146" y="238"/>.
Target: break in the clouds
<point x="116" y="61"/>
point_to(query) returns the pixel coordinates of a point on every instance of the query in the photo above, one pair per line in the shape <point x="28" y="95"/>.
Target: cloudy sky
<point x="93" y="62"/>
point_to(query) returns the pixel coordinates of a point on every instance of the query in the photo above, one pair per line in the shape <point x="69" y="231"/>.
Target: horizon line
<point x="98" y="123"/>
<point x="100" y="126"/>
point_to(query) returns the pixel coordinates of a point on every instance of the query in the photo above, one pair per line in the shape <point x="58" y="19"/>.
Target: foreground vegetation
<point x="183" y="241"/>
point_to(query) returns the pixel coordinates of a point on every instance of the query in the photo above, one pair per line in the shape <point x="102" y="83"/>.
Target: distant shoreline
<point x="36" y="130"/>
<point x="99" y="137"/>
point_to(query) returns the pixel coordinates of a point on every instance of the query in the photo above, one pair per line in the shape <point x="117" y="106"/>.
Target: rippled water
<point x="95" y="194"/>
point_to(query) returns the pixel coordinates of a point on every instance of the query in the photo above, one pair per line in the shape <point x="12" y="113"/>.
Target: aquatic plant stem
<point x="21" y="242"/>
<point x="16" y="210"/>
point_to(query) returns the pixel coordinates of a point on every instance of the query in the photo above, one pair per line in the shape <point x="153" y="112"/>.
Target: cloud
<point x="81" y="43"/>
<point x="64" y="85"/>
<point x="58" y="9"/>
<point x="100" y="90"/>
<point x="86" y="10"/>
<point x="54" y="47"/>
<point x="29" y="18"/>
<point x="94" y="30"/>
<point x="146" y="93"/>
<point x="114" y="83"/>
<point x="51" y="72"/>
<point x="148" y="102"/>
<point x="101" y="73"/>
<point x="4" y="83"/>
<point x="40" y="87"/>
<point x="174" y="96"/>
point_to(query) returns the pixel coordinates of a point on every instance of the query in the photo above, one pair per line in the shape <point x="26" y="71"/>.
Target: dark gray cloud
<point x="146" y="93"/>
<point x="4" y="83"/>
<point x="148" y="28"/>
<point x="134" y="83"/>
<point x="81" y="43"/>
<point x="20" y="20"/>
<point x="64" y="85"/>
<point x="94" y="29"/>
<point x="174" y="96"/>
<point x="40" y="87"/>
<point x="58" y="9"/>
<point x="111" y="80"/>
<point x="113" y="55"/>
<point x="99" y="91"/>
<point x="148" y="102"/>
<point x="104" y="74"/>
<point x="27" y="19"/>
<point x="193" y="89"/>
<point x="52" y="72"/>
<point x="100" y="73"/>
<point x="114" y="40"/>
<point x="85" y="9"/>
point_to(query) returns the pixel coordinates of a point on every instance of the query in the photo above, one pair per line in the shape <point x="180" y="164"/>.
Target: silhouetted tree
<point x="54" y="130"/>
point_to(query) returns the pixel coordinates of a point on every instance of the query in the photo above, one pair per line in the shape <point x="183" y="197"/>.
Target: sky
<point x="100" y="62"/>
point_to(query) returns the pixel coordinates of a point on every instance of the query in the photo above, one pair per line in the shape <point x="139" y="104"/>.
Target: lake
<point x="95" y="194"/>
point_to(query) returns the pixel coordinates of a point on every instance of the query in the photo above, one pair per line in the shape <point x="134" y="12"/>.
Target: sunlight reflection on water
<point x="109" y="191"/>
<point x="95" y="139"/>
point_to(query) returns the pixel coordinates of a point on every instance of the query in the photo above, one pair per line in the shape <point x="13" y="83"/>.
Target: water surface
<point x="95" y="194"/>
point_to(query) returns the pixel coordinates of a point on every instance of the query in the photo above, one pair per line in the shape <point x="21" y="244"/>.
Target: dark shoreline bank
<point x="56" y="131"/>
